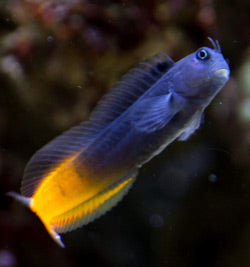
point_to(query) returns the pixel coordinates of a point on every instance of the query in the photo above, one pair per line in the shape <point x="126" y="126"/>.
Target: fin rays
<point x="132" y="85"/>
<point x="95" y="207"/>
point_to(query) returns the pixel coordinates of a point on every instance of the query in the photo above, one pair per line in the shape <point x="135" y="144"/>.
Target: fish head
<point x="202" y="74"/>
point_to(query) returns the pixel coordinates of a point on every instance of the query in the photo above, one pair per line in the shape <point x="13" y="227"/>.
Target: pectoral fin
<point x="192" y="127"/>
<point x="154" y="113"/>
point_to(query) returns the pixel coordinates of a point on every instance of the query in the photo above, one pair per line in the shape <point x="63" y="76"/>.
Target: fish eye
<point x="202" y="54"/>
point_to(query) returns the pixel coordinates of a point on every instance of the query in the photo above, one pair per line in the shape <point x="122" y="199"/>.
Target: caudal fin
<point x="24" y="200"/>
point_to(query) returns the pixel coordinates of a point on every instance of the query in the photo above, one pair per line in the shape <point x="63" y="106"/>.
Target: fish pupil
<point x="202" y="54"/>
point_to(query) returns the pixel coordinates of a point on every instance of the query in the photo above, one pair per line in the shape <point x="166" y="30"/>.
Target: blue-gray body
<point x="153" y="104"/>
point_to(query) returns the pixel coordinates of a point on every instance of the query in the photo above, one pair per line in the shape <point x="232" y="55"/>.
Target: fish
<point x="88" y="169"/>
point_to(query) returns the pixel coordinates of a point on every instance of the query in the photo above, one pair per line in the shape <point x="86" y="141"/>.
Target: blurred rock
<point x="189" y="206"/>
<point x="7" y="259"/>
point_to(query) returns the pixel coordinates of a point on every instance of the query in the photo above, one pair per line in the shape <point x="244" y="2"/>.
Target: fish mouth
<point x="222" y="74"/>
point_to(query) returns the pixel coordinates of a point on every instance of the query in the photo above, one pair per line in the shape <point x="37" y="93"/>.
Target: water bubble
<point x="212" y="178"/>
<point x="7" y="259"/>
<point x="156" y="220"/>
<point x="50" y="39"/>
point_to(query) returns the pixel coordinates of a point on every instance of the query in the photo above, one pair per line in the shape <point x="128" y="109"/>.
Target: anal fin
<point x="94" y="207"/>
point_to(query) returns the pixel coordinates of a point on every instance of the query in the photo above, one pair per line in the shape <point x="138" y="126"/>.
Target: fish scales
<point x="87" y="170"/>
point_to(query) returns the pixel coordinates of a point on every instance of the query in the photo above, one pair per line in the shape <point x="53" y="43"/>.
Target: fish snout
<point x="221" y="74"/>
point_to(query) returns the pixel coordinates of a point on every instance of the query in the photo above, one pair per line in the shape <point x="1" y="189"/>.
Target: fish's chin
<point x="221" y="75"/>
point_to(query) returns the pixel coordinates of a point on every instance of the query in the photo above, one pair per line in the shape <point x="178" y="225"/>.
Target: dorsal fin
<point x="54" y="153"/>
<point x="124" y="93"/>
<point x="132" y="85"/>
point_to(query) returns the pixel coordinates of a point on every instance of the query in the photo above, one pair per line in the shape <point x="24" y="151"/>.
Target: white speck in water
<point x="212" y="178"/>
<point x="156" y="220"/>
